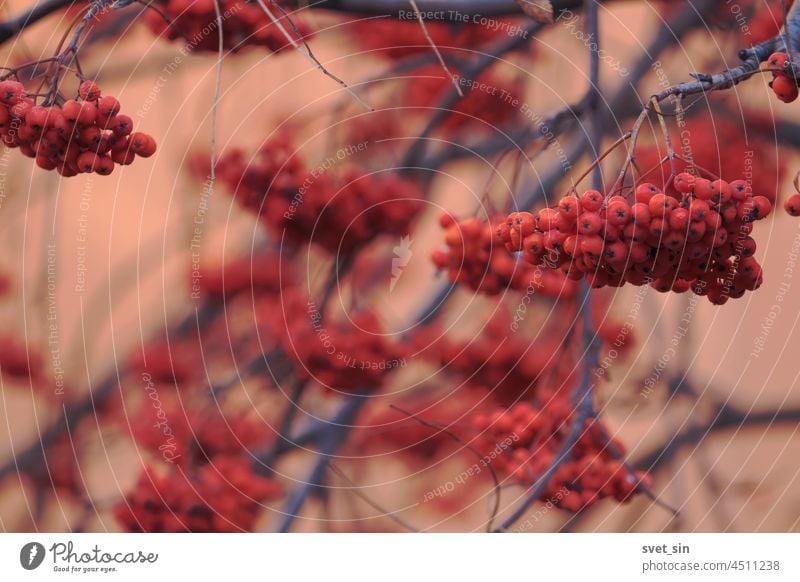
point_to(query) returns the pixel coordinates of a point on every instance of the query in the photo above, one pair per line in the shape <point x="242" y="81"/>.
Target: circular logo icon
<point x="31" y="555"/>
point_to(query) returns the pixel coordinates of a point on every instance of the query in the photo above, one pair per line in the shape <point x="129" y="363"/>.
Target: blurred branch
<point x="16" y="24"/>
<point x="726" y="418"/>
<point x="446" y="103"/>
<point x="624" y="103"/>
<point x="331" y="438"/>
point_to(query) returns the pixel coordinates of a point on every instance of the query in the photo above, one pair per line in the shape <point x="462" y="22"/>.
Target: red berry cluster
<point x="340" y="214"/>
<point x="488" y="99"/>
<point x="473" y="256"/>
<point x="195" y="437"/>
<point x="223" y="496"/>
<point x="88" y="134"/>
<point x="699" y="241"/>
<point x="349" y="356"/>
<point x="244" y="24"/>
<point x="784" y="86"/>
<point x="346" y="214"/>
<point x="724" y="145"/>
<point x="168" y="361"/>
<point x="506" y="364"/>
<point x="275" y="167"/>
<point x="523" y="442"/>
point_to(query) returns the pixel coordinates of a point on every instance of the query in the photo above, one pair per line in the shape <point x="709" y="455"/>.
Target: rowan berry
<point x="87" y="162"/>
<point x="722" y="190"/>
<point x="640" y="213"/>
<point x="534" y="243"/>
<point x="20" y="108"/>
<point x="674" y="240"/>
<point x="696" y="231"/>
<point x="11" y="91"/>
<point x="713" y="220"/>
<point x="570" y="207"/>
<point x="703" y="189"/>
<point x="589" y="223"/>
<point x="104" y="165"/>
<point x="761" y="207"/>
<point x="740" y="189"/>
<point x="142" y="144"/>
<point x="615" y="252"/>
<point x="546" y="218"/>
<point x="679" y="218"/>
<point x="785" y="88"/>
<point x="618" y="212"/>
<point x="684" y="182"/>
<point x="89" y="91"/>
<point x="108" y="106"/>
<point x="658" y="228"/>
<point x="37" y="117"/>
<point x="644" y="192"/>
<point x="523" y="222"/>
<point x="792" y="205"/>
<point x="777" y="60"/>
<point x="82" y="113"/>
<point x="591" y="201"/>
<point x="592" y="245"/>
<point x="661" y="205"/>
<point x="698" y="209"/>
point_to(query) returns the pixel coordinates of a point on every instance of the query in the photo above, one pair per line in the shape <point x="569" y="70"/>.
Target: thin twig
<point x="303" y="48"/>
<point x="434" y="47"/>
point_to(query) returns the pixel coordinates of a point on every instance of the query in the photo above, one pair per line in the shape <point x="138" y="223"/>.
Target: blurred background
<point x="98" y="272"/>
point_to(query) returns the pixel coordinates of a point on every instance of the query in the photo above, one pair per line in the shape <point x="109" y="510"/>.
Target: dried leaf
<point x="538" y="10"/>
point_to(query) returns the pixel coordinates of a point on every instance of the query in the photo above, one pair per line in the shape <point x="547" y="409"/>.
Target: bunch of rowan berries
<point x="697" y="239"/>
<point x="168" y="361"/>
<point x="275" y="169"/>
<point x="87" y="134"/>
<point x="473" y="256"/>
<point x="309" y="205"/>
<point x="221" y="496"/>
<point x="244" y="24"/>
<point x="784" y="85"/>
<point x="523" y="441"/>
<point x="507" y="365"/>
<point x="197" y="435"/>
<point x="351" y="355"/>
<point x="724" y="145"/>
